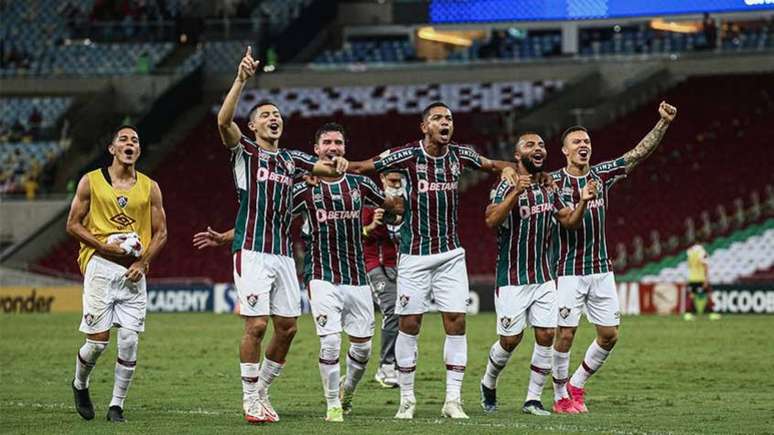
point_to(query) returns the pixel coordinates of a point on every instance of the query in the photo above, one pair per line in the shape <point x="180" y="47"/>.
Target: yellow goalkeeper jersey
<point x="116" y="211"/>
<point x="697" y="258"/>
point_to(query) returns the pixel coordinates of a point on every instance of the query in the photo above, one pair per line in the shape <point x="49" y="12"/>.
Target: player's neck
<point x="268" y="145"/>
<point x="577" y="170"/>
<point x="522" y="170"/>
<point x="122" y="172"/>
<point x="433" y="149"/>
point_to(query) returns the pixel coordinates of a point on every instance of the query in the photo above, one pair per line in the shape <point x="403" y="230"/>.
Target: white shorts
<point x="597" y="292"/>
<point x="442" y="277"/>
<point x="267" y="284"/>
<point x="335" y="306"/>
<point x="109" y="298"/>
<point x="517" y="304"/>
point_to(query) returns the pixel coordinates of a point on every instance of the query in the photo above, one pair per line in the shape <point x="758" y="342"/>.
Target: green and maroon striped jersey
<point x="523" y="239"/>
<point x="430" y="219"/>
<point x="584" y="251"/>
<point x="332" y="227"/>
<point x="264" y="182"/>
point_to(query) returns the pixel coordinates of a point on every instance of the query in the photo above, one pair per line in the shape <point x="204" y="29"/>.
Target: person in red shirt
<point x="380" y="238"/>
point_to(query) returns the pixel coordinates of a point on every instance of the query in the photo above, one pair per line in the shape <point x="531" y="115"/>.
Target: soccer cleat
<point x="688" y="316"/>
<point x="115" y="414"/>
<point x="453" y="409"/>
<point x="406" y="410"/>
<point x="345" y="396"/>
<point x="488" y="399"/>
<point x="335" y="415"/>
<point x="268" y="410"/>
<point x="565" y="406"/>
<point x="578" y="397"/>
<point x="714" y="316"/>
<point x="386" y="376"/>
<point x="534" y="407"/>
<point x="83" y="402"/>
<point x="256" y="411"/>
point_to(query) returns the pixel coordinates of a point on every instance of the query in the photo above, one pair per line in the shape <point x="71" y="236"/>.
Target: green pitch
<point x="666" y="375"/>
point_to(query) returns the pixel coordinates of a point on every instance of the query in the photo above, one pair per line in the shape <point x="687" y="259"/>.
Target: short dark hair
<point x="525" y="133"/>
<point x="572" y="129"/>
<point x="121" y="127"/>
<point x="259" y="104"/>
<point x="330" y="126"/>
<point x="426" y="110"/>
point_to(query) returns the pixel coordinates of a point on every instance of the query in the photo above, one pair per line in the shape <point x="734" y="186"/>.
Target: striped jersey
<point x="264" y="182"/>
<point x="430" y="218"/>
<point x="584" y="251"/>
<point x="524" y="237"/>
<point x="332" y="228"/>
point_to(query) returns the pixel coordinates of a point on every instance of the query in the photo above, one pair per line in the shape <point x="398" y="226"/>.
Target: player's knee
<point x="286" y="331"/>
<point x="544" y="336"/>
<point x="454" y="323"/>
<point x="608" y="338"/>
<point x="255" y="327"/>
<point x="509" y="342"/>
<point x="360" y="352"/>
<point x="330" y="347"/>
<point x="94" y="348"/>
<point x="128" y="341"/>
<point x="409" y="324"/>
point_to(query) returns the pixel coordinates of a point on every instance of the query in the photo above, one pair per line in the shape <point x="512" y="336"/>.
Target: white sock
<point x="126" y="362"/>
<point x="455" y="355"/>
<point x="561" y="371"/>
<point x="357" y="361"/>
<point x="498" y="358"/>
<point x="595" y="357"/>
<point x="249" y="379"/>
<point x="269" y="371"/>
<point x="406" y="348"/>
<point x="86" y="360"/>
<point x="539" y="370"/>
<point x="330" y="348"/>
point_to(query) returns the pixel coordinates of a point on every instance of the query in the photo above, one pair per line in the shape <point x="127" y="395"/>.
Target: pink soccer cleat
<point x="565" y="406"/>
<point x="578" y="398"/>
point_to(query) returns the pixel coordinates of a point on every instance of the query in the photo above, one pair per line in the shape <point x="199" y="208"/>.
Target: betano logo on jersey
<point x="265" y="175"/>
<point x="525" y="211"/>
<point x="326" y="215"/>
<point x="425" y="186"/>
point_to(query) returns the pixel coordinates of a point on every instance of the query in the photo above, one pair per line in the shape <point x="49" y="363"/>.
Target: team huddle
<point x="552" y="259"/>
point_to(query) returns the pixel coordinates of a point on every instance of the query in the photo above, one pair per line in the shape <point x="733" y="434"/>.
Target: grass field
<point x="666" y="375"/>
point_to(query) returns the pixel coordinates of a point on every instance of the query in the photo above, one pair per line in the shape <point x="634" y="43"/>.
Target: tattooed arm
<point x="649" y="143"/>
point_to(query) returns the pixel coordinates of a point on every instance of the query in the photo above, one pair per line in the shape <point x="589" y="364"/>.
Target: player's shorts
<point x="267" y="284"/>
<point x="109" y="298"/>
<point x="696" y="288"/>
<point x="442" y="277"/>
<point x="518" y="304"/>
<point x="596" y="291"/>
<point x="336" y="306"/>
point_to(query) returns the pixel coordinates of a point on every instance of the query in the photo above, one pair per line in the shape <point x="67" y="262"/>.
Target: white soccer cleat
<point x="453" y="409"/>
<point x="269" y="411"/>
<point x="254" y="411"/>
<point x="386" y="376"/>
<point x="406" y="410"/>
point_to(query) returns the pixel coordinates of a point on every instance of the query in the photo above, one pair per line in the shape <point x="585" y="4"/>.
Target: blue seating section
<point x="28" y="154"/>
<point x="51" y="109"/>
<point x="281" y="12"/>
<point x="369" y="51"/>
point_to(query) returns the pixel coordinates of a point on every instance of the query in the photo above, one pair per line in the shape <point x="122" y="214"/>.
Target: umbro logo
<point x="122" y="219"/>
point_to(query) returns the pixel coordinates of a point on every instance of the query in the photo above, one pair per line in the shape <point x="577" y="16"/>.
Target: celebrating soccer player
<point x="334" y="268"/>
<point x="264" y="270"/>
<point x="118" y="217"/>
<point x="432" y="262"/>
<point x="585" y="276"/>
<point x="525" y="216"/>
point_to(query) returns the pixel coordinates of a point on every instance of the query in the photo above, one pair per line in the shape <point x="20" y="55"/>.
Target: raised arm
<point x="158" y="236"/>
<point x="362" y="167"/>
<point x="496" y="213"/>
<point x="572" y="218"/>
<point x="229" y="130"/>
<point x="79" y="208"/>
<point x="649" y="143"/>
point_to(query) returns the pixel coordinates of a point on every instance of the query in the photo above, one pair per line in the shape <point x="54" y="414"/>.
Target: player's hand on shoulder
<point x="509" y="174"/>
<point x="667" y="111"/>
<point x="247" y="66"/>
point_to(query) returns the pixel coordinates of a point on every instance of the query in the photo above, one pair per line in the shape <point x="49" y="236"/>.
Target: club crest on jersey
<point x="122" y="201"/>
<point x="322" y="320"/>
<point x="404" y="300"/>
<point x="380" y="286"/>
<point x="567" y="191"/>
<point x="290" y="166"/>
<point x="89" y="319"/>
<point x="506" y="322"/>
<point x="317" y="196"/>
<point x="564" y="312"/>
<point x="355" y="195"/>
<point x="252" y="299"/>
<point x="421" y="167"/>
<point x="455" y="169"/>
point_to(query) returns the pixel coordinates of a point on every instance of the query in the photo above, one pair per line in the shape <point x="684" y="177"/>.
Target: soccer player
<point x="264" y="270"/>
<point x="118" y="217"/>
<point x="432" y="262"/>
<point x="335" y="270"/>
<point x="698" y="280"/>
<point x="585" y="276"/>
<point x="381" y="256"/>
<point x="525" y="216"/>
